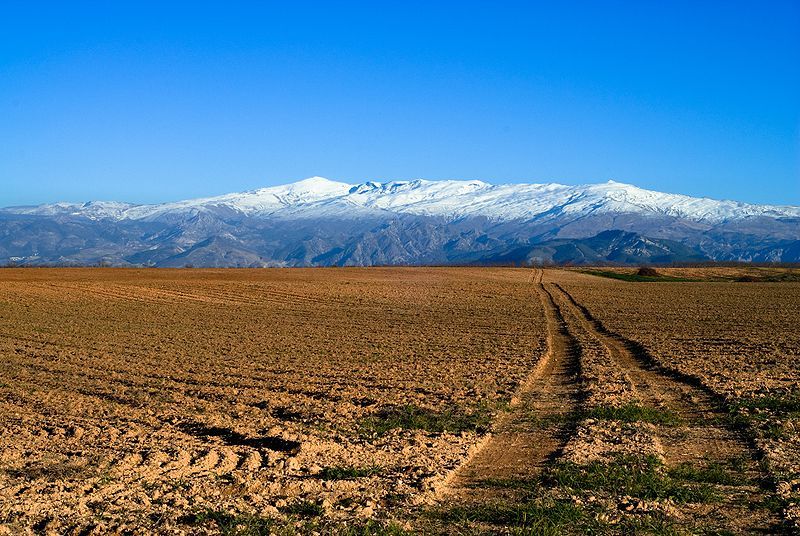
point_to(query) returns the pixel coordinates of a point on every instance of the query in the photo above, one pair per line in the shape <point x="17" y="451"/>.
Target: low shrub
<point x="646" y="271"/>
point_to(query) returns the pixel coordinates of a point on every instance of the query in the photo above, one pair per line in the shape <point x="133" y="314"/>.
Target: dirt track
<point x="533" y="432"/>
<point x="541" y="421"/>
<point x="702" y="437"/>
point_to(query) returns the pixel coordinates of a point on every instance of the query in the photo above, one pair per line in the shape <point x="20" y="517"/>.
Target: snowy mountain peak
<point x="309" y="189"/>
<point x="315" y="184"/>
<point x="318" y="197"/>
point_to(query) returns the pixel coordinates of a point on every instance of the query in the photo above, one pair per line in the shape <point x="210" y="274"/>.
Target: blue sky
<point x="146" y="102"/>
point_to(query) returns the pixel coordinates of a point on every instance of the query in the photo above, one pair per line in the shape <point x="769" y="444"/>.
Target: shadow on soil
<point x="233" y="438"/>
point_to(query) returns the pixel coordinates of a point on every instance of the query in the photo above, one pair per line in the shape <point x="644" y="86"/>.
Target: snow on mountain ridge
<point x="320" y="197"/>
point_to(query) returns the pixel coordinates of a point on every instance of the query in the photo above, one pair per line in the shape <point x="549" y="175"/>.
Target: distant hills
<point x="318" y="222"/>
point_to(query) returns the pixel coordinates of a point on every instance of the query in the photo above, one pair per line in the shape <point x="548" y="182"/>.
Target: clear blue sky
<point x="147" y="102"/>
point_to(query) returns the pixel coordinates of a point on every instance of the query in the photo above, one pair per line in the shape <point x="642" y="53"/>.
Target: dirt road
<point x="536" y="427"/>
<point x="699" y="444"/>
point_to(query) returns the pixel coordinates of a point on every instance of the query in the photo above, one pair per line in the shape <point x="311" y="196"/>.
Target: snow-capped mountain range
<point x="319" y="197"/>
<point x="317" y="221"/>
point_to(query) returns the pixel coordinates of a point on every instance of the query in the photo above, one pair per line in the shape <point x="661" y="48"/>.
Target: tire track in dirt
<point x="702" y="437"/>
<point x="534" y="430"/>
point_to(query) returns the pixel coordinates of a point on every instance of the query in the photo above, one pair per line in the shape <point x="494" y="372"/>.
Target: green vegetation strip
<point x="509" y="483"/>
<point x="636" y="277"/>
<point x="711" y="473"/>
<point x="410" y="417"/>
<point x="770" y="414"/>
<point x="643" y="478"/>
<point x="779" y="277"/>
<point x="546" y="517"/>
<point x="780" y="404"/>
<point x="233" y="524"/>
<point x="541" y="516"/>
<point x="242" y="524"/>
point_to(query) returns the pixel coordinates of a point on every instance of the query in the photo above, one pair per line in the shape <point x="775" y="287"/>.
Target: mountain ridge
<point x="319" y="222"/>
<point x="318" y="196"/>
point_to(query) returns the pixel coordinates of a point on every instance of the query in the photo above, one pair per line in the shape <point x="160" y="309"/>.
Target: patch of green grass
<point x="369" y="528"/>
<point x="240" y="524"/>
<point x="543" y="517"/>
<point x="105" y="478"/>
<point x="303" y="509"/>
<point x="410" y="417"/>
<point x="774" y="503"/>
<point x="774" y="431"/>
<point x="711" y="473"/>
<point x="544" y="421"/>
<point x="633" y="412"/>
<point x="636" y="277"/>
<point x="738" y="463"/>
<point x="734" y="419"/>
<point x="627" y="475"/>
<point x="761" y="412"/>
<point x="652" y="524"/>
<point x="788" y="404"/>
<point x="548" y="517"/>
<point x="508" y="483"/>
<point x="524" y="489"/>
<point x="769" y="277"/>
<point x="347" y="473"/>
<point x="230" y="524"/>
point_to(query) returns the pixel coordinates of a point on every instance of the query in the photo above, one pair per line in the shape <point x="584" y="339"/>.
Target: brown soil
<point x="132" y="400"/>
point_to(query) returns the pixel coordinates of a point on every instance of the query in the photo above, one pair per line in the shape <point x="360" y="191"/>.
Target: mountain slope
<point x="613" y="246"/>
<point x="321" y="222"/>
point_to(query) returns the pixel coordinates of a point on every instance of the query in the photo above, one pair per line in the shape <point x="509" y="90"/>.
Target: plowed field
<point x="437" y="400"/>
